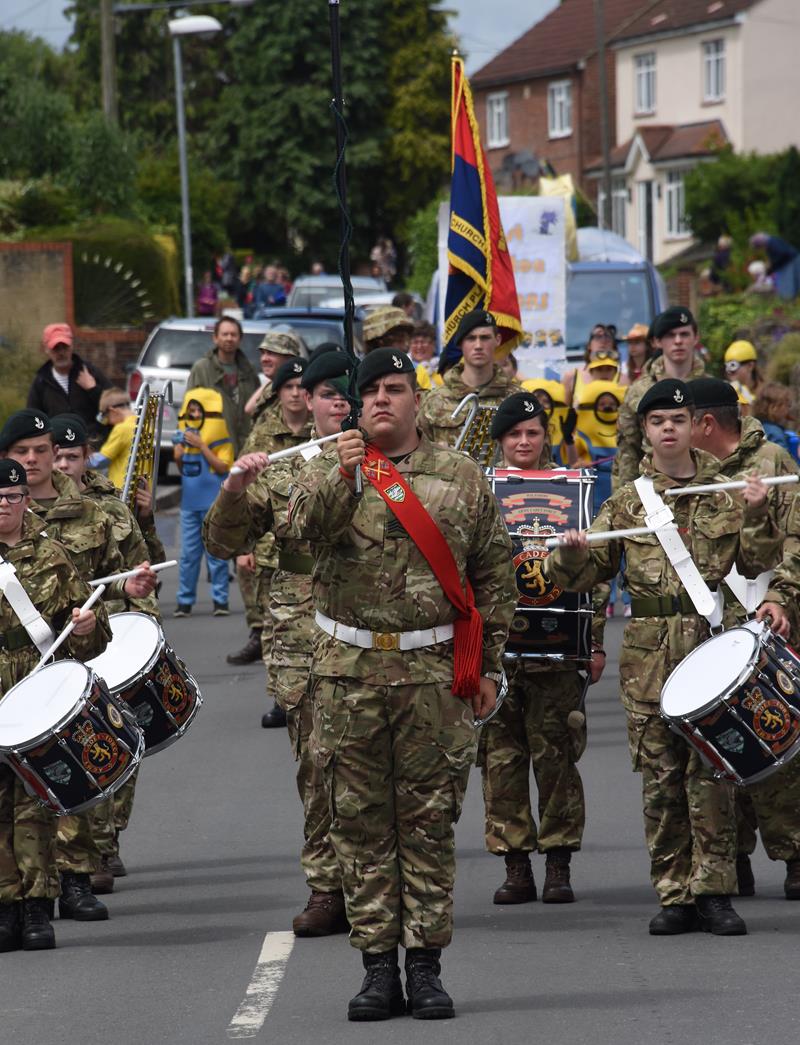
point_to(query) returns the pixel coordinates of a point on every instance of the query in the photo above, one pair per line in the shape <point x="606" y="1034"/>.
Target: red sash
<point x="409" y="510"/>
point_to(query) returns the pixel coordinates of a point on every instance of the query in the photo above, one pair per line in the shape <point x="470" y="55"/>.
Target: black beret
<point x="24" y="424"/>
<point x="668" y="394"/>
<point x="12" y="473"/>
<point x="287" y="371"/>
<point x="677" y="316"/>
<point x="69" y="430"/>
<point x="329" y="366"/>
<point x="323" y="349"/>
<point x="380" y="362"/>
<point x="711" y="392"/>
<point x="479" y="318"/>
<point x="522" y="406"/>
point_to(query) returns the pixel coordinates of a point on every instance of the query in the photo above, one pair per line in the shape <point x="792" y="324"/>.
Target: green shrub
<point x="785" y="358"/>
<point x="17" y="365"/>
<point x="762" y="319"/>
<point x="423" y="245"/>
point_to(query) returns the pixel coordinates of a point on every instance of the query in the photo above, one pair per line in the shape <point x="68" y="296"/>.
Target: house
<point x="538" y="101"/>
<point x="692" y="75"/>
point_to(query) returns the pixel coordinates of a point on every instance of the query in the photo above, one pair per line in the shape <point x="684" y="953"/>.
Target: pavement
<point x="197" y="950"/>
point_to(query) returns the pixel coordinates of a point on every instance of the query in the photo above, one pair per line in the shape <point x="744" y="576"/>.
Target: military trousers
<point x="397" y="761"/>
<point x="77" y="850"/>
<point x="531" y="729"/>
<point x="689" y="817"/>
<point x="110" y="817"/>
<point x="27" y="844"/>
<point x="771" y="807"/>
<point x="249" y="586"/>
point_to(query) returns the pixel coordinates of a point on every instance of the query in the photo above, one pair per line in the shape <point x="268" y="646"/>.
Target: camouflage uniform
<point x="27" y="830"/>
<point x="87" y="532"/>
<point x="236" y="522"/>
<point x="394" y="743"/>
<point x="689" y="816"/>
<point x="438" y="404"/>
<point x="630" y="438"/>
<point x="772" y="805"/>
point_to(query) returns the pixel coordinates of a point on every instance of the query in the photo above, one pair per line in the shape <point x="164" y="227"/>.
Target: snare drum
<point x="142" y="669"/>
<point x="549" y="622"/>
<point x="752" y="727"/>
<point x="70" y="742"/>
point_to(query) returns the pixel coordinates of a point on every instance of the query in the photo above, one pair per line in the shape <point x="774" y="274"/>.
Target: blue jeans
<point x="192" y="552"/>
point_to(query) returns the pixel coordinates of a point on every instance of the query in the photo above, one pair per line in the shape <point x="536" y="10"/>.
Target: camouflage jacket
<point x="718" y="532"/>
<point x="129" y="537"/>
<point x="631" y="447"/>
<point x="267" y="400"/>
<point x="370" y="574"/>
<point x="434" y="414"/>
<point x="48" y="575"/>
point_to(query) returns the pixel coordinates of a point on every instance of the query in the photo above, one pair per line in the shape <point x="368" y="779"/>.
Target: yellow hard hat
<point x="740" y="352"/>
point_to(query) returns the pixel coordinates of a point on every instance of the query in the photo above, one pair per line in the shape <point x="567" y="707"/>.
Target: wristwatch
<point x="494" y="676"/>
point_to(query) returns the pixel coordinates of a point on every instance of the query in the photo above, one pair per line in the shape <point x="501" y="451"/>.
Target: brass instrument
<point x="476" y="438"/>
<point x="146" y="445"/>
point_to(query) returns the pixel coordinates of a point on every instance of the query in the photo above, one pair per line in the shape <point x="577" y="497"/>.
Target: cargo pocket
<point x="643" y="661"/>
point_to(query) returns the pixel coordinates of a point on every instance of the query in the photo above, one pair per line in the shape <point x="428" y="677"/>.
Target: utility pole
<point x="108" y="61"/>
<point x="605" y="133"/>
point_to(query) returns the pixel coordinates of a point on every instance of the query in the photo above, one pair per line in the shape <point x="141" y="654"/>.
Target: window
<point x="675" y="193"/>
<point x="559" y="109"/>
<point x="645" y="65"/>
<point x="714" y="71"/>
<point x="619" y="203"/>
<point x="497" y="120"/>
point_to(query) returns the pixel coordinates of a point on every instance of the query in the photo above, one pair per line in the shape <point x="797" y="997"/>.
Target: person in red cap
<point x="66" y="383"/>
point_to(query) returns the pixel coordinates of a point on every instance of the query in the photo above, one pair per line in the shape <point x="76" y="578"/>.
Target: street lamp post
<point x="192" y="25"/>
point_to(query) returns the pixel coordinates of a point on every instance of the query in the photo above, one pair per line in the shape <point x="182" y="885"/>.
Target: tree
<point x="735" y="190"/>
<point x="787" y="197"/>
<point x="102" y="169"/>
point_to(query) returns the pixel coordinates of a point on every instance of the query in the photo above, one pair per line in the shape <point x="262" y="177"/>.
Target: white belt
<point x="383" y="640"/>
<point x="18" y="599"/>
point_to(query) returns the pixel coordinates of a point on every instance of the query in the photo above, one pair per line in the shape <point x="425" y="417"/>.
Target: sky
<point x="484" y="26"/>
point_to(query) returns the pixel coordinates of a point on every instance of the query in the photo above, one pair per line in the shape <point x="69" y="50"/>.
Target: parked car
<point x="176" y="344"/>
<point x="311" y="291"/>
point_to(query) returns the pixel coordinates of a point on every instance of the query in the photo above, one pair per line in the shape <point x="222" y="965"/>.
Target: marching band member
<point x="28" y="872"/>
<point x="532" y="724"/>
<point x="392" y="733"/>
<point x="689" y="817"/>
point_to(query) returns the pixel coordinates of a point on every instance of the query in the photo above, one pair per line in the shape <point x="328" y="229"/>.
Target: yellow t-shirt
<point x="117" y="449"/>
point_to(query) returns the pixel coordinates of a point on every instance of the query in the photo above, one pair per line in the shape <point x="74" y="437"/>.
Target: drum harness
<point x="39" y="631"/>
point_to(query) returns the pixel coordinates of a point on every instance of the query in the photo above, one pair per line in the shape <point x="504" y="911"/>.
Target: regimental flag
<point x="480" y="273"/>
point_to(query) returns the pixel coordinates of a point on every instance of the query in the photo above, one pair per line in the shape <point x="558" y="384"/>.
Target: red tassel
<point x="467" y="654"/>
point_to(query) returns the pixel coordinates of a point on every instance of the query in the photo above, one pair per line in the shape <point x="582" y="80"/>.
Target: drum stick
<point x="290" y="451"/>
<point x="736" y="484"/>
<point x="608" y="535"/>
<point x="65" y="634"/>
<point x="132" y="573"/>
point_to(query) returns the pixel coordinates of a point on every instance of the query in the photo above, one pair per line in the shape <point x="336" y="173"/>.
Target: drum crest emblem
<point x="731" y="741"/>
<point x="100" y="750"/>
<point x="529" y="554"/>
<point x="174" y="696"/>
<point x="785" y="683"/>
<point x="772" y="720"/>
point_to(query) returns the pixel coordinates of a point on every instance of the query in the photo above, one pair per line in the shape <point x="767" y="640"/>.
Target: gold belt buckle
<point x="386" y="640"/>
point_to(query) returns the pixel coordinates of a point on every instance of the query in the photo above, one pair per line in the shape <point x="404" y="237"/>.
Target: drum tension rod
<point x="763" y="744"/>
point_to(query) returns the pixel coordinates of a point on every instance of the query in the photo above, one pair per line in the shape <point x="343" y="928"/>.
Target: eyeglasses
<point x="12" y="498"/>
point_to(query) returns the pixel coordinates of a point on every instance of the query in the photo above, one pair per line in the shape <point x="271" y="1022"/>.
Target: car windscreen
<point x="182" y="348"/>
<point x="618" y="297"/>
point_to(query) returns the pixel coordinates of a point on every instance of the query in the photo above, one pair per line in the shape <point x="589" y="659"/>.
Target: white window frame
<point x="675" y="222"/>
<point x="559" y="109"/>
<point x="645" y="83"/>
<point x="714" y="71"/>
<point x="619" y="204"/>
<point x="497" y="120"/>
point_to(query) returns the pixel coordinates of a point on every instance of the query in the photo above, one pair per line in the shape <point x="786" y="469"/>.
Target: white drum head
<point x="711" y="670"/>
<point x="40" y="701"/>
<point x="135" y="637"/>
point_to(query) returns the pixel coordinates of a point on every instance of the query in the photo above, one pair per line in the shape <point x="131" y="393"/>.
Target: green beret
<point x="69" y="430"/>
<point x="380" y="362"/>
<point x="522" y="406"/>
<point x="325" y="347"/>
<point x="674" y="317"/>
<point x="668" y="394"/>
<point x="329" y="366"/>
<point x="287" y="371"/>
<point x="12" y="473"/>
<point x="711" y="392"/>
<point x="479" y="318"/>
<point x="24" y="424"/>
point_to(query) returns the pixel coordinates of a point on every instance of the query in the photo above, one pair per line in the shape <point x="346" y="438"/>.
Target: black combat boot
<point x="77" y="900"/>
<point x="250" y="652"/>
<point x="791" y="883"/>
<point x="381" y="994"/>
<point x="557" y="888"/>
<point x="519" y="886"/>
<point x="37" y="932"/>
<point x="10" y="939"/>
<point x="427" y="998"/>
<point x="275" y="718"/>
<point x="717" y="916"/>
<point x="744" y="876"/>
<point x="674" y="920"/>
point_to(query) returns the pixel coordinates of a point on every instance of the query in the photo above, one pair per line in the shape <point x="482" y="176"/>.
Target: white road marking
<point x="263" y="986"/>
